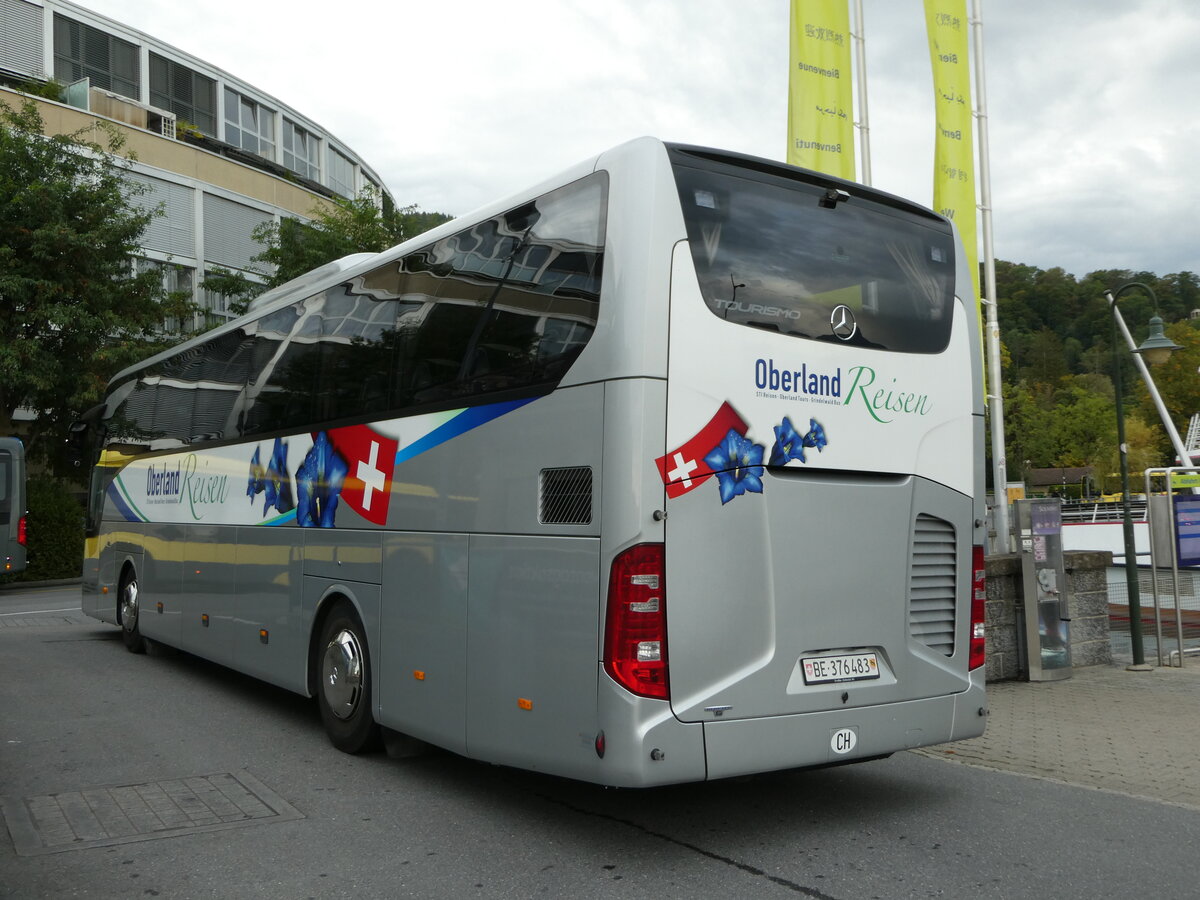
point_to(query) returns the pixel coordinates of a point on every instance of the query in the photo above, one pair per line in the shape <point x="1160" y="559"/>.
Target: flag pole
<point x="1002" y="542"/>
<point x="864" y="122"/>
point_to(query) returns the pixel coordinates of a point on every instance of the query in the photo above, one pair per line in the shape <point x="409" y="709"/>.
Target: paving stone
<point x="1104" y="727"/>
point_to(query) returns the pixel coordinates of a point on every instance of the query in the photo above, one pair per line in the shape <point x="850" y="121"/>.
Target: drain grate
<point x="104" y="816"/>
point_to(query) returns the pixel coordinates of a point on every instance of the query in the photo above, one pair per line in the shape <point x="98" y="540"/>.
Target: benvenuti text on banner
<point x="820" y="95"/>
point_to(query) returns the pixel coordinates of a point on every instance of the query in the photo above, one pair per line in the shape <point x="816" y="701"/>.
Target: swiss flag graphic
<point x="371" y="457"/>
<point x="684" y="468"/>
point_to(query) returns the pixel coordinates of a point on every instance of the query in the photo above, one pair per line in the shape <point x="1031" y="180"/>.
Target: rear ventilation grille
<point x="565" y="496"/>
<point x="931" y="584"/>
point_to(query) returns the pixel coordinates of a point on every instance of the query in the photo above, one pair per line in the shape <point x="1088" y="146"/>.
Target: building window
<point x="190" y="95"/>
<point x="249" y="125"/>
<point x="300" y="151"/>
<point x="81" y="51"/>
<point x="341" y="173"/>
<point x="177" y="286"/>
<point x="383" y="201"/>
<point x="229" y="229"/>
<point x="218" y="305"/>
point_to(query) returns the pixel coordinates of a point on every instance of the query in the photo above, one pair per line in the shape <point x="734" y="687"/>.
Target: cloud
<point x="461" y="102"/>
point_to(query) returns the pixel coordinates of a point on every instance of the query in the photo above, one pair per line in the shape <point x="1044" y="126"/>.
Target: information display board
<point x="1187" y="529"/>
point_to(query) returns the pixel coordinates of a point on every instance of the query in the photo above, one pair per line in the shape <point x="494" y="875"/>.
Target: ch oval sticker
<point x="843" y="741"/>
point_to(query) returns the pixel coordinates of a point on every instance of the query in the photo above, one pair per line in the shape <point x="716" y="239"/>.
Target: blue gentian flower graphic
<point x="789" y="444"/>
<point x="737" y="462"/>
<point x="277" y="484"/>
<point x="319" y="484"/>
<point x="815" y="436"/>
<point x="255" y="484"/>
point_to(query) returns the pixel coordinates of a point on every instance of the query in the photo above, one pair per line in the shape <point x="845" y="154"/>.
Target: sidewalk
<point x="1135" y="733"/>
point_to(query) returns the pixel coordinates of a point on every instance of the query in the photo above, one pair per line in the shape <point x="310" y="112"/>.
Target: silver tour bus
<point x="667" y="469"/>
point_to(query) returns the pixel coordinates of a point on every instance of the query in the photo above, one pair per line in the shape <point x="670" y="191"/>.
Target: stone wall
<point x="1087" y="599"/>
<point x="1000" y="616"/>
<point x="1087" y="581"/>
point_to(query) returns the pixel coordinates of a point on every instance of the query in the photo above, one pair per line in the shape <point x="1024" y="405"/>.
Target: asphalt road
<point x="166" y="776"/>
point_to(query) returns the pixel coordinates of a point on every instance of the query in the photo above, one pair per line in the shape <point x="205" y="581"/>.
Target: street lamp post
<point x="1156" y="349"/>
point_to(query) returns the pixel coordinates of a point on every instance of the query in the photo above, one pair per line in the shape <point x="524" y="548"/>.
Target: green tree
<point x="237" y="289"/>
<point x="1073" y="424"/>
<point x="1176" y="380"/>
<point x="361" y="225"/>
<point x="72" y="312"/>
<point x="1045" y="358"/>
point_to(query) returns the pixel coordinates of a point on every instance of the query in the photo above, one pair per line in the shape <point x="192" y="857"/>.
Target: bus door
<point x="819" y="450"/>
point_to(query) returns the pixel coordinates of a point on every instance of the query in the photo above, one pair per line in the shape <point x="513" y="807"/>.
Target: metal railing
<point x="1100" y="511"/>
<point x="1182" y="633"/>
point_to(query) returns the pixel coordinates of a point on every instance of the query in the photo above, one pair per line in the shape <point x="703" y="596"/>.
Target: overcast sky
<point x="1091" y="103"/>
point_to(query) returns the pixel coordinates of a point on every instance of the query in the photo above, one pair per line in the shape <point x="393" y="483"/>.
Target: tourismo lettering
<point x="884" y="400"/>
<point x="203" y="489"/>
<point x="767" y="377"/>
<point x="757" y="309"/>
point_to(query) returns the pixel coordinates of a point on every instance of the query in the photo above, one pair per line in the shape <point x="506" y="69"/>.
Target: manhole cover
<point x="104" y="816"/>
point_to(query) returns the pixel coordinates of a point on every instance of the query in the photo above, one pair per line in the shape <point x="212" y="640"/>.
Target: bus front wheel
<point x="343" y="668"/>
<point x="127" y="614"/>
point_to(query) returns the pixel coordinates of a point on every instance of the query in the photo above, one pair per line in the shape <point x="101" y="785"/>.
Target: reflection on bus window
<point x="771" y="256"/>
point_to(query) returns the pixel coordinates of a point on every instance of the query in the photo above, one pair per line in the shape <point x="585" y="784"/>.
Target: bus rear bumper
<point x="748" y="746"/>
<point x="658" y="749"/>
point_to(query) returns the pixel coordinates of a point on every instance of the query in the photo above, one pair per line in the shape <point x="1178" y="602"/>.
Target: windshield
<point x="793" y="257"/>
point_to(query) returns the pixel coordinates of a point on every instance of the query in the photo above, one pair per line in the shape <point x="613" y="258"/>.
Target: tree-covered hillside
<point x="1057" y="335"/>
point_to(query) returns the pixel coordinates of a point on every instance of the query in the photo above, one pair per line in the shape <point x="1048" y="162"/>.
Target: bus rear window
<point x="775" y="253"/>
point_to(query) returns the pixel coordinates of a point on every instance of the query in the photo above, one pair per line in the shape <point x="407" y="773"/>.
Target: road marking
<point x="37" y="612"/>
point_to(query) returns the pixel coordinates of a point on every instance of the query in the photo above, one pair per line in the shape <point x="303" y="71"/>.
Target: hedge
<point x="55" y="533"/>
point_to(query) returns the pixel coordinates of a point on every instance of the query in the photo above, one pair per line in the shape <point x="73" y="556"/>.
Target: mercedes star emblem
<point x="841" y="322"/>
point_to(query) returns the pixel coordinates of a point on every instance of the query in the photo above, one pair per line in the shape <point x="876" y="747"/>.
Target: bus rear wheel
<point x="128" y="607"/>
<point x="343" y="668"/>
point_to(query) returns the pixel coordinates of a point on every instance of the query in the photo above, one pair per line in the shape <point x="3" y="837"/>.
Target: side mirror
<point x="80" y="435"/>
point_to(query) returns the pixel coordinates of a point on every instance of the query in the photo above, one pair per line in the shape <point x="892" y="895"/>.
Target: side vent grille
<point x="931" y="584"/>
<point x="565" y="496"/>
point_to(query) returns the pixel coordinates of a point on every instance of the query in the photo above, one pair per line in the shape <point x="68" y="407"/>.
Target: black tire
<point x="128" y="613"/>
<point x="342" y="665"/>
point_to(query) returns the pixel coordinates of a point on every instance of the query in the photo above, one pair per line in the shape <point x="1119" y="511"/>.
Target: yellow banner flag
<point x="820" y="89"/>
<point x="954" y="149"/>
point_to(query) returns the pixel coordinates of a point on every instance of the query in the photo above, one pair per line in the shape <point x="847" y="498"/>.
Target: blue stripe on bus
<point x="460" y="424"/>
<point x="118" y="500"/>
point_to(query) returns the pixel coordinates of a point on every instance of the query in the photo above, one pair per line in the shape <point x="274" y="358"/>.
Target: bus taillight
<point x="978" y="601"/>
<point x="21" y="533"/>
<point x="635" y="627"/>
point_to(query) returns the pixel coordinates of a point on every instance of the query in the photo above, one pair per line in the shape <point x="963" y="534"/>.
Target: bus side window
<point x="218" y="406"/>
<point x="285" y="371"/>
<point x="131" y="421"/>
<point x="356" y="355"/>
<point x="500" y="284"/>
